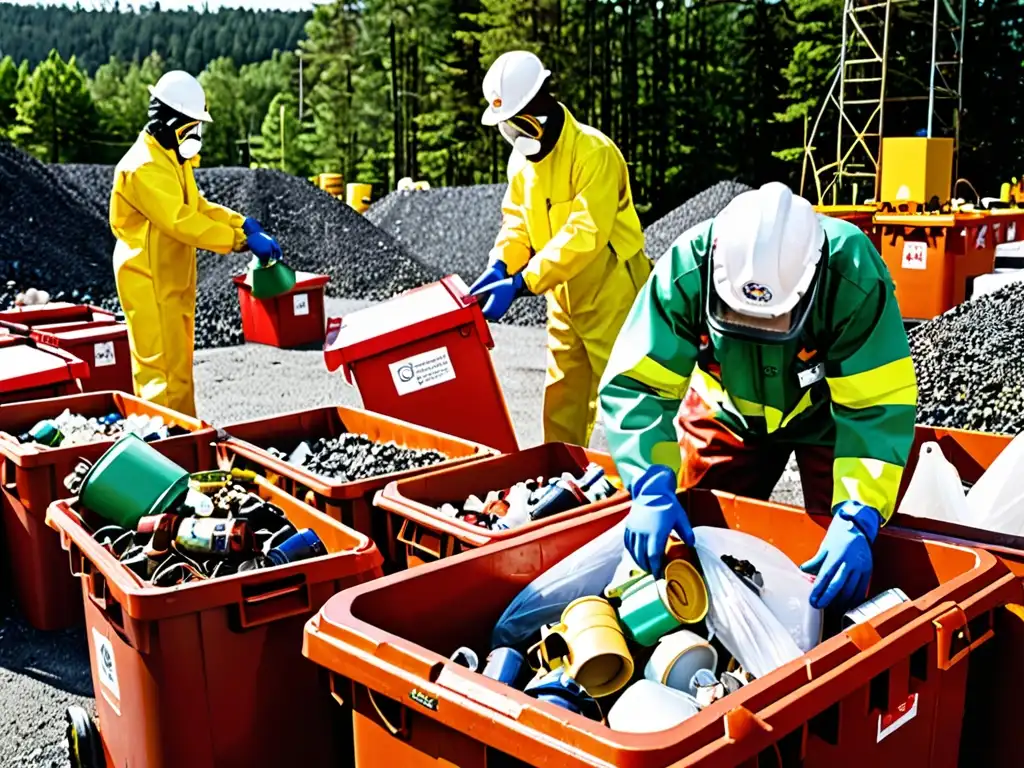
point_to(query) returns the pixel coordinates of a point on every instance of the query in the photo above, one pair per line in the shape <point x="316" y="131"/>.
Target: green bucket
<point x="132" y="480"/>
<point x="272" y="280"/>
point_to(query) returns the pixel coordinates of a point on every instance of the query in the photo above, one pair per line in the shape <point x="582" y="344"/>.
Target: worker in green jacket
<point x="780" y="330"/>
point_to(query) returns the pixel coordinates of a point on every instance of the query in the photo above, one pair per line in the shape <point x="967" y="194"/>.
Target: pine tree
<point x="8" y="94"/>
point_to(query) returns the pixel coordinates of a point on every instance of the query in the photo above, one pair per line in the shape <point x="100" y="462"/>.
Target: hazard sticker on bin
<point x="300" y="304"/>
<point x="890" y="722"/>
<point x="915" y="255"/>
<point x="103" y="354"/>
<point x="418" y="372"/>
<point x="106" y="667"/>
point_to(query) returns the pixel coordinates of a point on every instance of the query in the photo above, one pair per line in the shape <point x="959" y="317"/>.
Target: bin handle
<point x="10" y="478"/>
<point x="271" y="601"/>
<point x="400" y="732"/>
<point x="435" y="522"/>
<point x="407" y="535"/>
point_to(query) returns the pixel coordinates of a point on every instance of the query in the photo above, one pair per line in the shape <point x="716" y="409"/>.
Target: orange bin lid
<point x="304" y="281"/>
<point x="27" y="366"/>
<point x="417" y="314"/>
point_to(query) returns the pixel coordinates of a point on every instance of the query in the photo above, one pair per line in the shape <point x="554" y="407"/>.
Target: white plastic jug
<point x="935" y="490"/>
<point x="996" y="502"/>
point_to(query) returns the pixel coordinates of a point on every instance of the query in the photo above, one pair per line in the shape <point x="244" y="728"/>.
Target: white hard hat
<point x="767" y="246"/>
<point x="510" y="84"/>
<point x="182" y="93"/>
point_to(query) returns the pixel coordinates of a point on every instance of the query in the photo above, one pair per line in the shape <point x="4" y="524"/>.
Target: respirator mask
<point x="524" y="133"/>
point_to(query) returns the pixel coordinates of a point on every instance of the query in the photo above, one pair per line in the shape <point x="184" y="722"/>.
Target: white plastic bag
<point x="744" y="623"/>
<point x="787" y="589"/>
<point x="585" y="572"/>
<point x="935" y="490"/>
<point x="996" y="502"/>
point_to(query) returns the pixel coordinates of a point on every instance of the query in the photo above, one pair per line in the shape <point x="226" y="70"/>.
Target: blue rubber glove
<point x="260" y="243"/>
<point x="656" y="512"/>
<point x="497" y="271"/>
<point x="500" y="295"/>
<point x="250" y="226"/>
<point x="844" y="562"/>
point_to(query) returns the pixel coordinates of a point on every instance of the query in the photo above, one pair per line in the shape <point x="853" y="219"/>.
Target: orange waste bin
<point x="861" y="215"/>
<point x="420" y="533"/>
<point x="890" y="691"/>
<point x="32" y="371"/>
<point x="33" y="477"/>
<point x="933" y="258"/>
<point x="350" y="502"/>
<point x="209" y="674"/>
<point x="424" y="357"/>
<point x="103" y="347"/>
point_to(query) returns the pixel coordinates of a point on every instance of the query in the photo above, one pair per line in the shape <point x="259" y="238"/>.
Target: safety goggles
<point x="523" y="127"/>
<point x="192" y="130"/>
<point x="725" y="320"/>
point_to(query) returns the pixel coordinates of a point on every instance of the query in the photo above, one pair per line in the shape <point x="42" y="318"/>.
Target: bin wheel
<point x="84" y="749"/>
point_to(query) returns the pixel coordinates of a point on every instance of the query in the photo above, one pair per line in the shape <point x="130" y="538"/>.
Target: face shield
<point x="524" y="133"/>
<point x="762" y="328"/>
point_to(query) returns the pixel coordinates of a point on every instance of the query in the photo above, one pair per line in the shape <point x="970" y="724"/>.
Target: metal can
<point x="881" y="602"/>
<point x="214" y="536"/>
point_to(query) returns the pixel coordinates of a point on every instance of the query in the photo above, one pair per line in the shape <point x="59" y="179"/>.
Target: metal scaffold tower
<point x="881" y="84"/>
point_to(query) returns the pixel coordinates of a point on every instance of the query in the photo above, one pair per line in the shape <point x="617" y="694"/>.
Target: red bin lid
<point x="417" y="314"/>
<point x="27" y="366"/>
<point x="56" y="337"/>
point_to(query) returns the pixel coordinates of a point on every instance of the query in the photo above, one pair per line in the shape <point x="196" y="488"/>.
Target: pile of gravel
<point x="705" y="205"/>
<point x="970" y="370"/>
<point x="51" y="236"/>
<point x="452" y="229"/>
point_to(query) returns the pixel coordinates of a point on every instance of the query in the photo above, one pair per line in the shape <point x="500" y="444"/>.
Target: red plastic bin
<point x="33" y="477"/>
<point x="424" y="356"/>
<point x="23" y="319"/>
<point x="350" y="503"/>
<point x="293" y="319"/>
<point x="387" y="646"/>
<point x="420" y="533"/>
<point x="209" y="674"/>
<point x="104" y="348"/>
<point x="32" y="371"/>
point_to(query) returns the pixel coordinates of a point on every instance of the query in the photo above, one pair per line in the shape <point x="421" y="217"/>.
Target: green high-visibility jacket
<point x="847" y="382"/>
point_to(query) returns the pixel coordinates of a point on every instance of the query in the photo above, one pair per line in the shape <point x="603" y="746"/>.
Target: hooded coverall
<point x="570" y="226"/>
<point x="845" y="386"/>
<point x="160" y="219"/>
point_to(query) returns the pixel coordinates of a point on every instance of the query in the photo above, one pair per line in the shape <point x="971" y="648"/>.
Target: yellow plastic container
<point x="916" y="169"/>
<point x="331" y="183"/>
<point x="358" y="196"/>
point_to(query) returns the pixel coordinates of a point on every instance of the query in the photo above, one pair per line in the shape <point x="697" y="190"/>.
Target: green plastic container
<point x="274" y="279"/>
<point x="132" y="480"/>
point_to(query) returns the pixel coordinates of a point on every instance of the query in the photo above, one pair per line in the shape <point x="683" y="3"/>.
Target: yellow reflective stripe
<point x="890" y="384"/>
<point x="803" y="405"/>
<point x="772" y="418"/>
<point x="664" y="382"/>
<point x="869" y="481"/>
<point x="746" y="407"/>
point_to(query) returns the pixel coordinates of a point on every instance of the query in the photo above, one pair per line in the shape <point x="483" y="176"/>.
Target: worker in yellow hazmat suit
<point x="570" y="231"/>
<point x="160" y="219"/>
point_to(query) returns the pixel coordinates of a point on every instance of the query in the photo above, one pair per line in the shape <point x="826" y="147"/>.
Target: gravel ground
<point x="41" y="674"/>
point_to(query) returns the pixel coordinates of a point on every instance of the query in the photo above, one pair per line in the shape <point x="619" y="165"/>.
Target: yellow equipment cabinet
<point x="933" y="258"/>
<point x="916" y="169"/>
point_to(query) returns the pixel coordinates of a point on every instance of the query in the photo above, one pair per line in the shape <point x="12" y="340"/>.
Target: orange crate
<point x="387" y="644"/>
<point x="350" y="503"/>
<point x="209" y="674"/>
<point x="419" y="533"/>
<point x="33" y="477"/>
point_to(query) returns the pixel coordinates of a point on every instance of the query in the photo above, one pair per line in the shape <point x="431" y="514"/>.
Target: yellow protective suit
<point x="160" y="219"/>
<point x="570" y="226"/>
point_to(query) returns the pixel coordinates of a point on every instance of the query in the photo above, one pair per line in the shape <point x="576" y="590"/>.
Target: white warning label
<point x="915" y="255"/>
<point x="300" y="304"/>
<point x="103" y="353"/>
<point x="421" y="371"/>
<point x="105" y="665"/>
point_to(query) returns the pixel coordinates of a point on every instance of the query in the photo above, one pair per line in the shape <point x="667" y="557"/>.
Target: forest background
<point x="693" y="91"/>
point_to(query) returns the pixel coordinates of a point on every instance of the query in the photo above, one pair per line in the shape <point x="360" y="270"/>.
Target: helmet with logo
<point x="765" y="263"/>
<point x="510" y="84"/>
